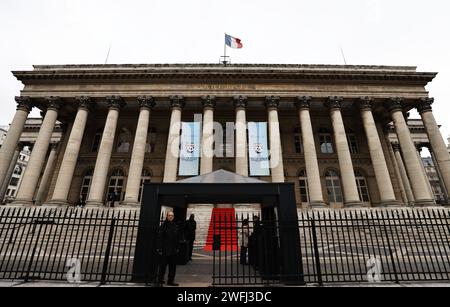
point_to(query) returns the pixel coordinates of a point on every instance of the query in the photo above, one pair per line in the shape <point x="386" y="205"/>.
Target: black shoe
<point x="172" y="284"/>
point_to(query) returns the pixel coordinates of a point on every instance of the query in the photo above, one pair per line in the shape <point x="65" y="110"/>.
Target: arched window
<point x="116" y="183"/>
<point x="151" y="141"/>
<point x="124" y="141"/>
<point x="145" y="178"/>
<point x="303" y="183"/>
<point x="18" y="170"/>
<point x="362" y="187"/>
<point x="97" y="140"/>
<point x="333" y="184"/>
<point x="86" y="184"/>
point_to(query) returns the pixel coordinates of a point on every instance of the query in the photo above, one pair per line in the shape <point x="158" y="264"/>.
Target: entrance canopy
<point x="221" y="176"/>
<point x="217" y="188"/>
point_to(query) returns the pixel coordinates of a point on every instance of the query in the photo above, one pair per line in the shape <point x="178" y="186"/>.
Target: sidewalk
<point x="44" y="284"/>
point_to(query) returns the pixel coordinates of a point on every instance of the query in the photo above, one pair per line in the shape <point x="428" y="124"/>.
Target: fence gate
<point x="246" y="251"/>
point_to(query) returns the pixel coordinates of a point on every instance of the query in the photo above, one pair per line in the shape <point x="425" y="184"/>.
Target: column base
<point x="355" y="204"/>
<point x="390" y="203"/>
<point x="94" y="203"/>
<point x="57" y="203"/>
<point x="131" y="204"/>
<point x="22" y="202"/>
<point x="318" y="205"/>
<point x="425" y="203"/>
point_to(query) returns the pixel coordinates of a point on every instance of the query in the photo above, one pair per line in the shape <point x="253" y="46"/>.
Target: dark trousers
<point x="244" y="255"/>
<point x="191" y="249"/>
<point x="172" y="262"/>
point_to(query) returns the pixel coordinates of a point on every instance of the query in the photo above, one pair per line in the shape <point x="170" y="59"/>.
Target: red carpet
<point x="224" y="222"/>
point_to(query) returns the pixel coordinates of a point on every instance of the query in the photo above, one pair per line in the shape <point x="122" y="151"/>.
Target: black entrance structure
<point x="277" y="205"/>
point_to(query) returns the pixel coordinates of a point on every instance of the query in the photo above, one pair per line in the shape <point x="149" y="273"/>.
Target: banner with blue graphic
<point x="190" y="149"/>
<point x="258" y="149"/>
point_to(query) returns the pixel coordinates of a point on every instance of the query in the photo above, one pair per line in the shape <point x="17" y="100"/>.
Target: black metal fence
<point x="67" y="244"/>
<point x="98" y="245"/>
<point x="340" y="247"/>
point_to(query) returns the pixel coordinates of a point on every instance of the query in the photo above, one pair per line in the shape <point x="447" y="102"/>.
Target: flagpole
<point x="225" y="50"/>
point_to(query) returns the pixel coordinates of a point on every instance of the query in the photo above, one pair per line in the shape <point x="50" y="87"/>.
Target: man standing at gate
<point x="168" y="240"/>
<point x="190" y="229"/>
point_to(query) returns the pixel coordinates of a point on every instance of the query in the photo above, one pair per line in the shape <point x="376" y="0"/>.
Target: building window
<point x="124" y="141"/>
<point x="151" y="141"/>
<point x="298" y="141"/>
<point x="333" y="184"/>
<point x="18" y="170"/>
<point x="86" y="185"/>
<point x="13" y="193"/>
<point x="352" y="143"/>
<point x="14" y="182"/>
<point x="146" y="178"/>
<point x="363" y="190"/>
<point x="303" y="183"/>
<point x="8" y="193"/>
<point x="326" y="142"/>
<point x="97" y="140"/>
<point x="116" y="183"/>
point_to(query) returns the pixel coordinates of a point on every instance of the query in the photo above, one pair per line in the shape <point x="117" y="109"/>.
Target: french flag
<point x="233" y="42"/>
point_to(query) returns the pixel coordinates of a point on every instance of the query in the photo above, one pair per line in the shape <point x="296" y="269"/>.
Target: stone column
<point x="9" y="146"/>
<point x="173" y="142"/>
<point x="387" y="195"/>
<point x="206" y="162"/>
<point x="412" y="163"/>
<point x="10" y="172"/>
<point x="437" y="142"/>
<point x="97" y="192"/>
<point x="240" y="104"/>
<point x="348" y="178"/>
<point x="312" y="166"/>
<point x="403" y="174"/>
<point x="439" y="174"/>
<point x="419" y="156"/>
<point x="33" y="171"/>
<point x="276" y="152"/>
<point x="46" y="177"/>
<point x="69" y="162"/>
<point x="146" y="103"/>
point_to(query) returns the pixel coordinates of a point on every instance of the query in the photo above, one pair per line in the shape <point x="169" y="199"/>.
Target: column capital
<point x="115" y="102"/>
<point x="424" y="105"/>
<point x="334" y="103"/>
<point x="24" y="103"/>
<point x="240" y="102"/>
<point x="395" y="146"/>
<point x="209" y="102"/>
<point x="177" y="102"/>
<point x="53" y="103"/>
<point x="146" y="102"/>
<point x="365" y="103"/>
<point x="84" y="102"/>
<point x="394" y="104"/>
<point x="303" y="102"/>
<point x="272" y="102"/>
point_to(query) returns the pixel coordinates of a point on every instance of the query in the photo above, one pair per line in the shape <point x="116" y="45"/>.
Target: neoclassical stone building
<point x="328" y="129"/>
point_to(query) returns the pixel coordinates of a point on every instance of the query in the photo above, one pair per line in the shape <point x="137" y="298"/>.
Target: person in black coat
<point x="189" y="232"/>
<point x="168" y="240"/>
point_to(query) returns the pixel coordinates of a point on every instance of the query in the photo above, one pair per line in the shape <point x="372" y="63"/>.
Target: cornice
<point x="211" y="71"/>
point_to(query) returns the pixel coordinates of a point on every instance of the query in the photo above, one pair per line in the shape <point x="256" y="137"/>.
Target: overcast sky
<point x="379" y="32"/>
